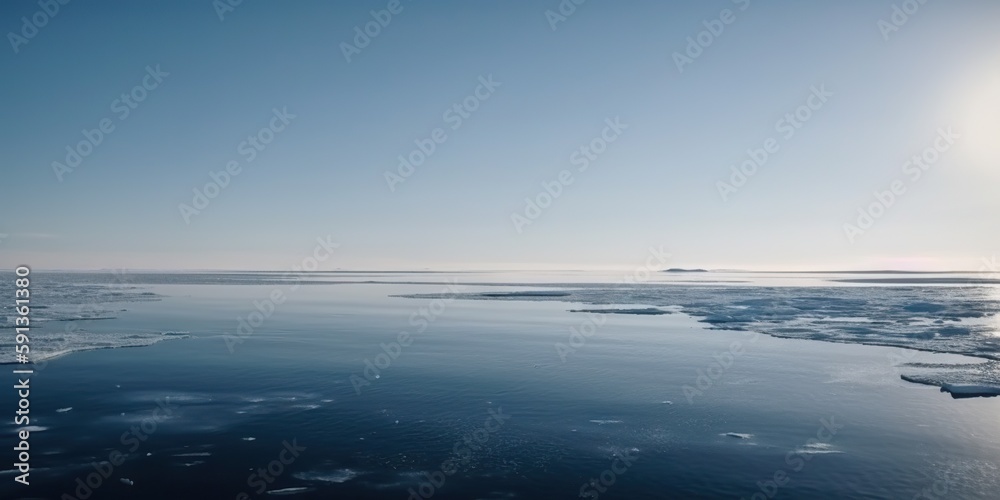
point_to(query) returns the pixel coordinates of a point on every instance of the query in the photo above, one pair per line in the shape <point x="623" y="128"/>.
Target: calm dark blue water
<point x="478" y="402"/>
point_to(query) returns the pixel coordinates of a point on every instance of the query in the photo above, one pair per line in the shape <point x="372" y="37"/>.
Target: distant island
<point x="679" y="270"/>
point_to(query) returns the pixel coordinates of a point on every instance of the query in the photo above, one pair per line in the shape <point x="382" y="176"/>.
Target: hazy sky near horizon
<point x="655" y="185"/>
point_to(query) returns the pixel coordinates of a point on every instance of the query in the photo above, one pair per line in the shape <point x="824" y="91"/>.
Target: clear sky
<point x="883" y="88"/>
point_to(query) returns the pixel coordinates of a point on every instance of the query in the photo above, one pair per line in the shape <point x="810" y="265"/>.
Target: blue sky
<point x="656" y="185"/>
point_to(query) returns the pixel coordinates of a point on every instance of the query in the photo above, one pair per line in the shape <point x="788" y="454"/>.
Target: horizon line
<point x="673" y="270"/>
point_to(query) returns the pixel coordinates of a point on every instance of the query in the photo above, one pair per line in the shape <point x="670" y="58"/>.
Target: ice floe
<point x="817" y="449"/>
<point x="921" y="316"/>
<point x="289" y="491"/>
<point x="335" y="476"/>
<point x="647" y="311"/>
